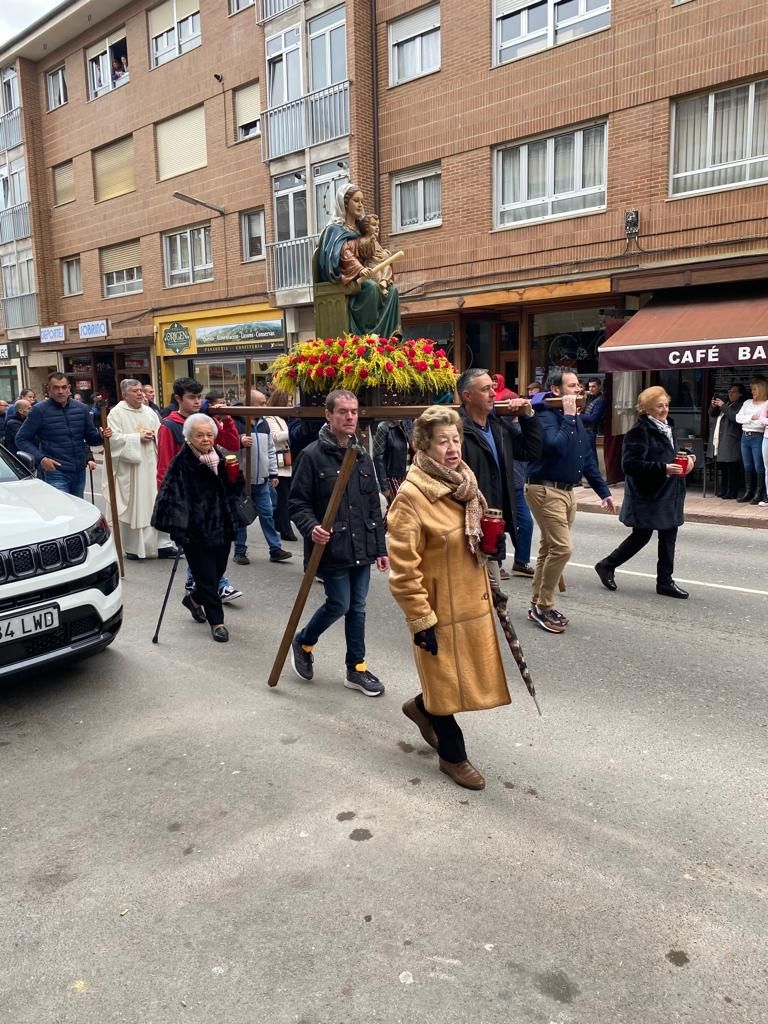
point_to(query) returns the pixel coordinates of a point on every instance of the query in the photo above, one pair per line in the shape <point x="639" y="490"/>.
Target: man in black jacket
<point x="355" y="541"/>
<point x="490" y="446"/>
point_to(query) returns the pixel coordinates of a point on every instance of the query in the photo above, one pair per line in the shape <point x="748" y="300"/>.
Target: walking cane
<point x="350" y="457"/>
<point x="167" y="594"/>
<point x="111" y="486"/>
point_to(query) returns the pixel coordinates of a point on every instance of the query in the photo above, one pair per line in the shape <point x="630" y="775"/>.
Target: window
<point x="174" y="28"/>
<point x="57" y="88"/>
<point x="416" y="199"/>
<point x="252" y="228"/>
<point x="239" y="5"/>
<point x="248" y="111"/>
<point x="121" y="269"/>
<point x="180" y="143"/>
<point x="290" y="191"/>
<point x="523" y="27"/>
<point x="414" y="45"/>
<point x="284" y="80"/>
<point x="720" y="139"/>
<point x="327" y="179"/>
<point x="70" y="276"/>
<point x="63" y="183"/>
<point x="187" y="255"/>
<point x="557" y="176"/>
<point x="10" y="85"/>
<point x="13" y="184"/>
<point x="107" y="63"/>
<point x="18" y="273"/>
<point x="327" y="49"/>
<point x="113" y="170"/>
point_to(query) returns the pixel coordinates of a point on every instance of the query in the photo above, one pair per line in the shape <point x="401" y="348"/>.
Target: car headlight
<point x="98" y="533"/>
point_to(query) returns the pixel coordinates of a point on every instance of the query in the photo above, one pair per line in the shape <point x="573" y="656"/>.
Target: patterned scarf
<point x="665" y="429"/>
<point x="209" y="459"/>
<point x="463" y="486"/>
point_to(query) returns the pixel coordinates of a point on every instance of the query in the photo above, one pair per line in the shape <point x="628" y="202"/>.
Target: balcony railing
<point x="270" y="8"/>
<point x="19" y="311"/>
<point x="14" y="223"/>
<point x="290" y="263"/>
<point x="318" y="117"/>
<point x="10" y="129"/>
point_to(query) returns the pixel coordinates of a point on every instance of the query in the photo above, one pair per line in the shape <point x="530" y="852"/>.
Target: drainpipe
<point x="375" y="71"/>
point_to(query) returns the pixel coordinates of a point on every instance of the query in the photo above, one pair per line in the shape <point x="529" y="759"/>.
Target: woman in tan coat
<point x="439" y="579"/>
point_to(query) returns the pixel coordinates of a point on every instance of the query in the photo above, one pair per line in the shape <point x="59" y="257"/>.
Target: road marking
<point x="694" y="583"/>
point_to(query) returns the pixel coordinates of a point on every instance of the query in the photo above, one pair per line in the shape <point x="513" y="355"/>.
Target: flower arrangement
<point x="355" y="362"/>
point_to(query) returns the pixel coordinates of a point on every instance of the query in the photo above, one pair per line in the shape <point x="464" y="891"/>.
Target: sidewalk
<point x="697" y="509"/>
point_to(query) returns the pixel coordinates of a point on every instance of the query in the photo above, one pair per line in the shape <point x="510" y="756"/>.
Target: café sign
<point x="735" y="352"/>
<point x="176" y="337"/>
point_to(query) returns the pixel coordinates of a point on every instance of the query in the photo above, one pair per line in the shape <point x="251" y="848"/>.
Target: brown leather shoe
<point x="463" y="774"/>
<point x="411" y="710"/>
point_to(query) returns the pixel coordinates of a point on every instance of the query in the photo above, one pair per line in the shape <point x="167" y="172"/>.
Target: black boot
<point x="750" y="487"/>
<point x="760" y="492"/>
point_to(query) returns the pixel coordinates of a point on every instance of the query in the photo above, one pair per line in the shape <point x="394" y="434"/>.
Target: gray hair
<point x="126" y="384"/>
<point x="465" y="379"/>
<point x="199" y="417"/>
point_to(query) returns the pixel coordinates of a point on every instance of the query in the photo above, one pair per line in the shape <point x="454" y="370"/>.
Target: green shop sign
<point x="176" y="337"/>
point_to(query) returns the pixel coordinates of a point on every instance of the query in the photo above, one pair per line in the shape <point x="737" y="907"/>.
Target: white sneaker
<point x="228" y="594"/>
<point x="762" y="504"/>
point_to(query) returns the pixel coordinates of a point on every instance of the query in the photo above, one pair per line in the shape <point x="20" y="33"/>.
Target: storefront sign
<point x="136" y="363"/>
<point x="255" y="334"/>
<point x="741" y="352"/>
<point x="176" y="337"/>
<point x="55" y="333"/>
<point x="9" y="350"/>
<point x="92" y="329"/>
<point x="83" y="385"/>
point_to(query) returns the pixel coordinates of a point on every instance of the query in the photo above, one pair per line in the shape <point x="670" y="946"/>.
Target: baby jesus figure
<point x="372" y="252"/>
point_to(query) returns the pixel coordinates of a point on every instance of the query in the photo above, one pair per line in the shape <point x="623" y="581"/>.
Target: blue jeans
<point x="345" y="594"/>
<point x="261" y="496"/>
<point x="765" y="461"/>
<point x="524" y="521"/>
<point x="223" y="582"/>
<point x="69" y="481"/>
<point x="752" y="452"/>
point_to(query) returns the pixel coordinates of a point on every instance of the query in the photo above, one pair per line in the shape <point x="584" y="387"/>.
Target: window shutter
<point x="186" y="7"/>
<point x="504" y="7"/>
<point x="64" y="183"/>
<point x="161" y="19"/>
<point x="247" y="104"/>
<point x="415" y="24"/>
<point x="94" y="51"/>
<point x="120" y="257"/>
<point x="181" y="143"/>
<point x="113" y="171"/>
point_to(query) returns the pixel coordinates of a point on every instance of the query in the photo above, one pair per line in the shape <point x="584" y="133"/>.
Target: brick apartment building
<point x="550" y="168"/>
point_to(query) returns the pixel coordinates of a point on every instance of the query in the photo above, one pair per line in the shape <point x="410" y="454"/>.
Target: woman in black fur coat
<point x="654" y="493"/>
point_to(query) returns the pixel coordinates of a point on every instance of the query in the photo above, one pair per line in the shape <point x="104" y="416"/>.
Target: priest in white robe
<point x="134" y="466"/>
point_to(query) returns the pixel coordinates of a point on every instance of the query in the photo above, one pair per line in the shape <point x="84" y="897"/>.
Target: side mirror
<point x="27" y="461"/>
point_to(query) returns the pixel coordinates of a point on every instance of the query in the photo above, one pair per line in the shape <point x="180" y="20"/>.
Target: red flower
<point x="291" y="373"/>
<point x="389" y="367"/>
<point x="334" y="359"/>
<point x="429" y="349"/>
<point x="363" y="372"/>
<point x="436" y="364"/>
<point x="361" y="350"/>
<point x="323" y="357"/>
<point x="441" y="352"/>
<point x="330" y="372"/>
<point x="421" y="366"/>
<point x="301" y="359"/>
<point x="390" y="348"/>
<point x="318" y="372"/>
<point x="380" y="349"/>
<point x="348" y="368"/>
<point x="313" y="360"/>
<point x="330" y="341"/>
<point x="400" y="364"/>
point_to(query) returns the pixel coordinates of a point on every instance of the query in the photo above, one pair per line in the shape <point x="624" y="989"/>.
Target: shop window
<point x="174" y="28"/>
<point x="121" y="271"/>
<point x="523" y="27"/>
<point x="414" y="45"/>
<point x="64" y="183"/>
<point x="252" y="229"/>
<point x="568" y="340"/>
<point x="57" y="88"/>
<point x="71" y="277"/>
<point x="187" y="256"/>
<point x="107" y="63"/>
<point x="720" y="139"/>
<point x="416" y="199"/>
<point x="113" y="170"/>
<point x="181" y="143"/>
<point x="248" y="111"/>
<point x="9" y="383"/>
<point x="558" y="176"/>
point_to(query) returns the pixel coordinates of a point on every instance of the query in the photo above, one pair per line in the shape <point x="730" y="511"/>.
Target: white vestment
<point x="134" y="466"/>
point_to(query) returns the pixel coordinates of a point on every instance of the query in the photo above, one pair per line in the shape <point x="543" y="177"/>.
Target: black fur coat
<point x="192" y="504"/>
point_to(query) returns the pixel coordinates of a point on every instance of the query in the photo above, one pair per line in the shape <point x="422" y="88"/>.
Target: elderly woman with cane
<point x="193" y="505"/>
<point x="439" y="579"/>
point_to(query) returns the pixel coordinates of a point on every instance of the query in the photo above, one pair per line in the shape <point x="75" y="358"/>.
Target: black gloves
<point x="426" y="639"/>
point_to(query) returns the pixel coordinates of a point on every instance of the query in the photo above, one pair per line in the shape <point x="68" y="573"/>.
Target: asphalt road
<point x="180" y="843"/>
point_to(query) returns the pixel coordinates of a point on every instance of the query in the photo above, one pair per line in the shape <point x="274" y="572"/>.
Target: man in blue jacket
<point x="566" y="456"/>
<point x="57" y="433"/>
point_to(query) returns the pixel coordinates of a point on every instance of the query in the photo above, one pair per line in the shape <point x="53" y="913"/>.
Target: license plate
<point x="19" y="626"/>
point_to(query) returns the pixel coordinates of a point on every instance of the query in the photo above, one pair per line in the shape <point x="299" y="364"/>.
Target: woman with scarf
<point x="193" y="506"/>
<point x="654" y="493"/>
<point x="439" y="578"/>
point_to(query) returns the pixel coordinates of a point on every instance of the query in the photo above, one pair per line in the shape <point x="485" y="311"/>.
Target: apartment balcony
<point x="10" y="129"/>
<point x="271" y="8"/>
<point x="289" y="270"/>
<point x="14" y="223"/>
<point x="319" y="117"/>
<point x="19" y="311"/>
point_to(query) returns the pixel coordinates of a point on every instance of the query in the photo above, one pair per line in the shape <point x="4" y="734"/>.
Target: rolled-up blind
<point x="415" y="24"/>
<point x="510" y="6"/>
<point x="181" y="143"/>
<point x="63" y="183"/>
<point x="124" y="256"/>
<point x="161" y="18"/>
<point x="247" y="104"/>
<point x="113" y="170"/>
<point x="186" y="7"/>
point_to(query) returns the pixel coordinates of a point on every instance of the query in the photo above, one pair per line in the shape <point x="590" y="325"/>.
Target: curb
<point x="751" y="522"/>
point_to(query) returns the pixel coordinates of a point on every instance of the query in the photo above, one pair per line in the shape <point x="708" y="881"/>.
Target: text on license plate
<point x="19" y="626"/>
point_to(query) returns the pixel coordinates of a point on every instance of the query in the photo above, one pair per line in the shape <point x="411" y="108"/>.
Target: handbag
<point x="244" y="510"/>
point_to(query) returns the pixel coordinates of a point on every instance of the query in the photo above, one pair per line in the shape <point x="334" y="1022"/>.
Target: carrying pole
<point x="111" y="486"/>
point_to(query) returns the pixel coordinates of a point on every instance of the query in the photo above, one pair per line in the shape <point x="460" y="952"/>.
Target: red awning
<point x="677" y="335"/>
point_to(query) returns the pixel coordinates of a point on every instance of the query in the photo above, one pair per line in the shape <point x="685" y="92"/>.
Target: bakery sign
<point x="176" y="337"/>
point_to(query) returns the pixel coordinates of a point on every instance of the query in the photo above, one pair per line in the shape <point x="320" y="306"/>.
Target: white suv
<point x="60" y="593"/>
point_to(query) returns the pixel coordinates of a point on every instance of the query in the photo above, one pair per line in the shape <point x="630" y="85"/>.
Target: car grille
<point x="78" y="624"/>
<point x="32" y="560"/>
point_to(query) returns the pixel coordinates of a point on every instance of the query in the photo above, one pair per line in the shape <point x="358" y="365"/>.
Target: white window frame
<point x="56" y="85"/>
<point x="419" y="175"/>
<point x="235" y="6"/>
<point x="18" y="272"/>
<point x="118" y="282"/>
<point x="280" y="55"/>
<point x="324" y="34"/>
<point x="71" y="274"/>
<point x="711" y="166"/>
<point x="290" y="190"/>
<point x="249" y="130"/>
<point x="328" y="173"/>
<point x="13" y="184"/>
<point x="246" y="235"/>
<point x="105" y="58"/>
<point x="419" y="34"/>
<point x="554" y="34"/>
<point x="192" y="273"/>
<point x="10" y="89"/>
<point x="169" y="45"/>
<point x="545" y="202"/>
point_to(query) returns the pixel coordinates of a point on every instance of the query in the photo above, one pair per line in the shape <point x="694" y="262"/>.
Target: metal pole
<point x="167" y="595"/>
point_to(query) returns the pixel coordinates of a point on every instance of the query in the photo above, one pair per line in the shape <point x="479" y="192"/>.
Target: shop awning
<point x="678" y="335"/>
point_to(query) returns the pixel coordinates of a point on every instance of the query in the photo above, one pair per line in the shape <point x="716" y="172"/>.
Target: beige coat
<point x="437" y="582"/>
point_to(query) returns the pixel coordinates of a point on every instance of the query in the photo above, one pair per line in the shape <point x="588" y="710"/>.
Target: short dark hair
<point x="186" y="385"/>
<point x="555" y="378"/>
<point x="56" y="375"/>
<point x="465" y="378"/>
<point x="214" y="396"/>
<point x="332" y="397"/>
<point x="740" y="387"/>
<point x="594" y="380"/>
